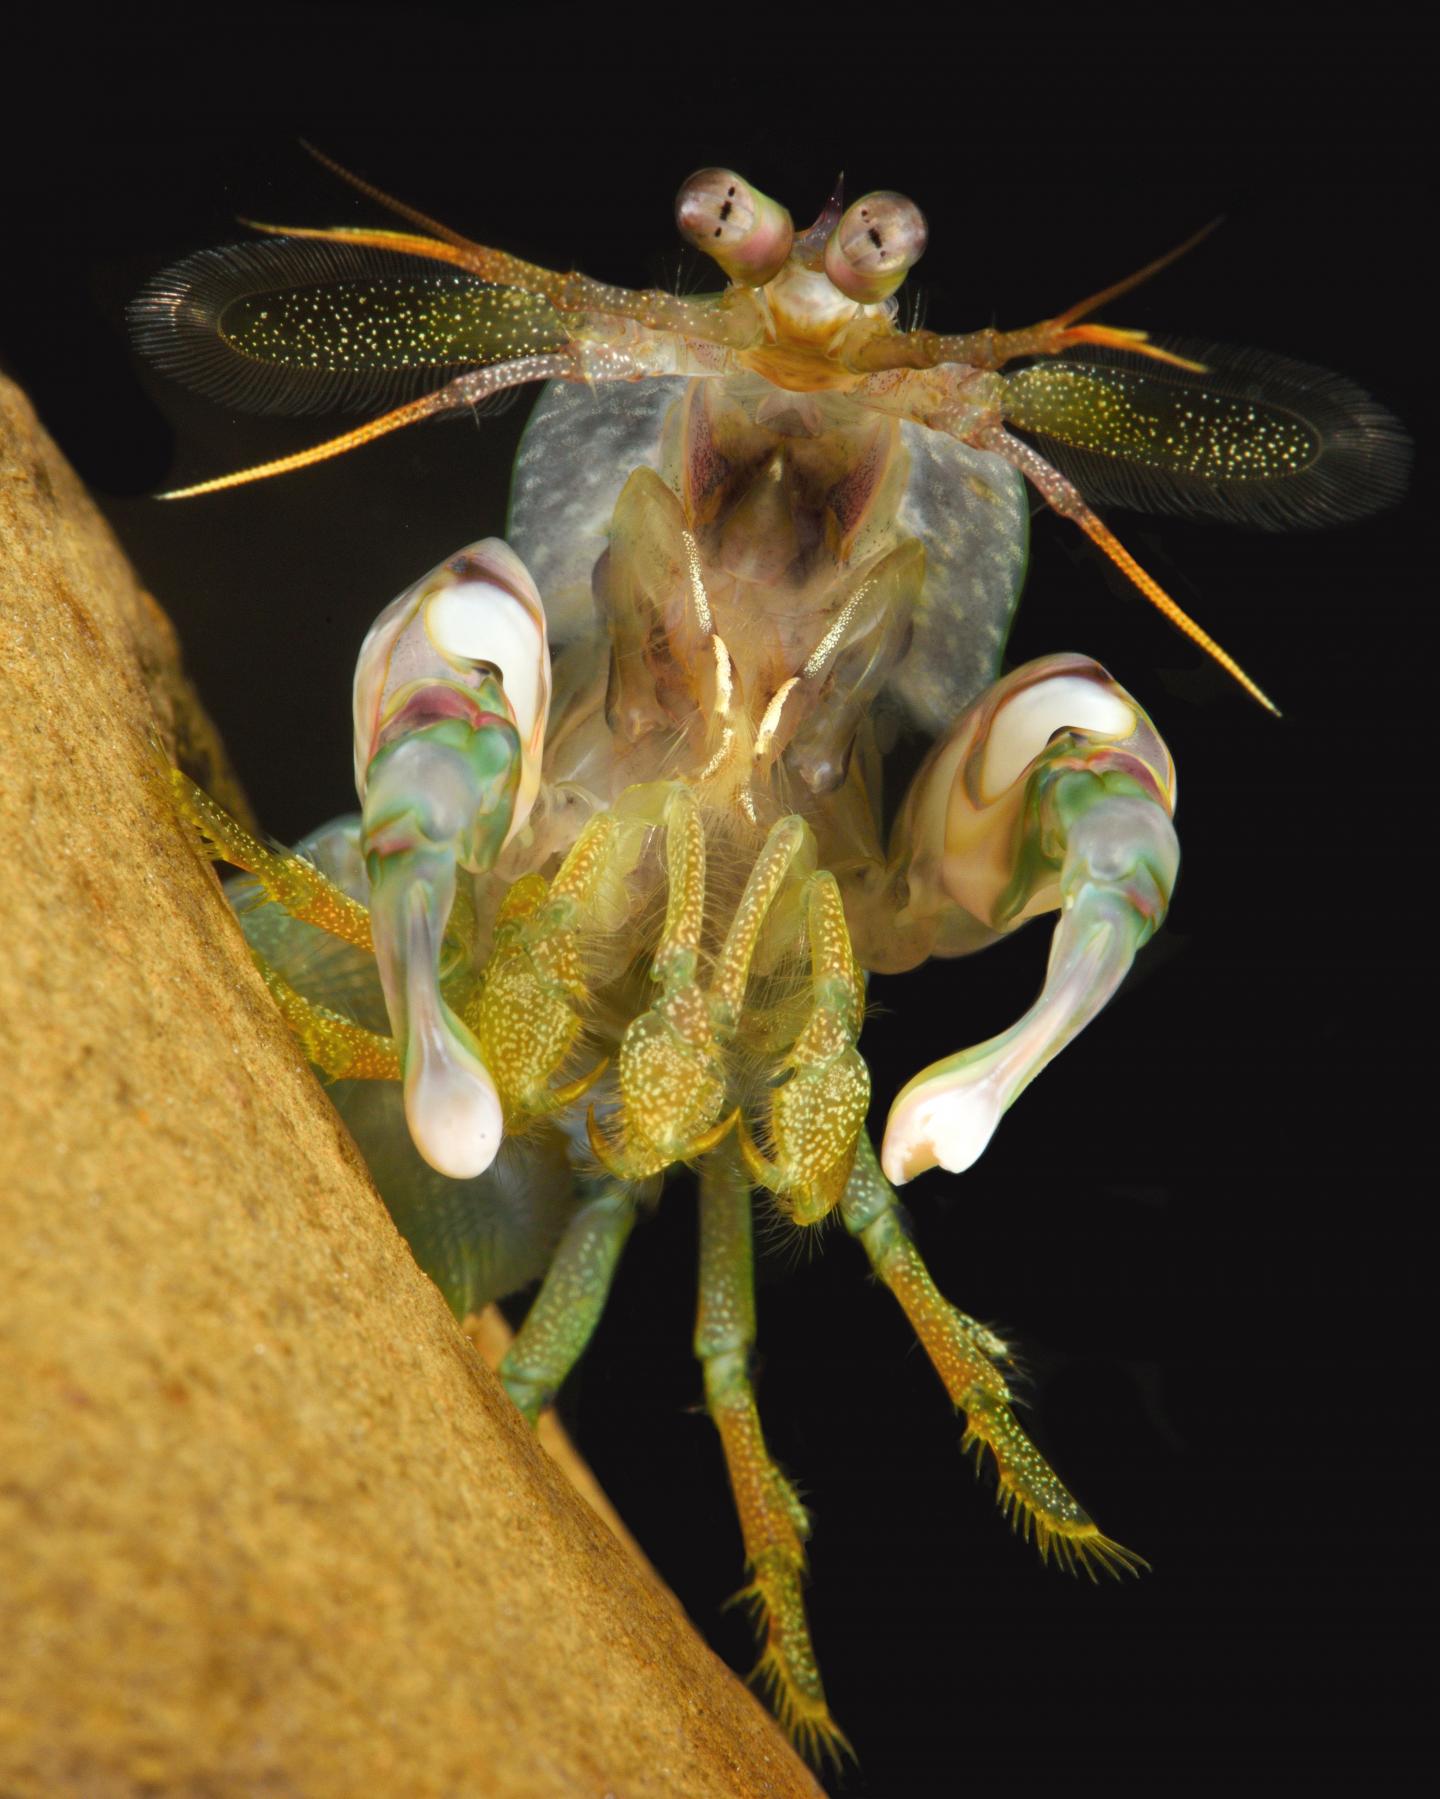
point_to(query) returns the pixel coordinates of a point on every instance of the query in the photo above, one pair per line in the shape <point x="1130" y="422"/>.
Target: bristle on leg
<point x="1034" y="1499"/>
<point x="787" y="1672"/>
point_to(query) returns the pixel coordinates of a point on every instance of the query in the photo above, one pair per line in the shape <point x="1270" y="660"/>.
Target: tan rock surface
<point x="267" y="1524"/>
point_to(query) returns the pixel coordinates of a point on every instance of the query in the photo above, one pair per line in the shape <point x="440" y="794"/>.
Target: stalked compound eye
<point x="876" y="244"/>
<point x="745" y="231"/>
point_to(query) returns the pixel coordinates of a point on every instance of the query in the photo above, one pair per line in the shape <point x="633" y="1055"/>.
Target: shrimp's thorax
<point x="754" y="594"/>
<point x="785" y="493"/>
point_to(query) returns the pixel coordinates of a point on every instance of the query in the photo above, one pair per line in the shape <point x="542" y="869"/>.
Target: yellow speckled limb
<point x="672" y="1077"/>
<point x="339" y="1048"/>
<point x="965" y="1354"/>
<point x="732" y="966"/>
<point x="527" y="1015"/>
<point x="818" y="1110"/>
<point x="772" y="1519"/>
<point x="672" y="1070"/>
<point x="289" y="880"/>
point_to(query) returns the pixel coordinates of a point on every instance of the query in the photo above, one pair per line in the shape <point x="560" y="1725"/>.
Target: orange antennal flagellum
<point x="1100" y="534"/>
<point x="322" y="452"/>
<point x="1083" y="308"/>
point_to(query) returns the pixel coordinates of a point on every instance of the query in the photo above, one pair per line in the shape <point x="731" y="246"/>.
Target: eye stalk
<point x="745" y="231"/>
<point x="874" y="247"/>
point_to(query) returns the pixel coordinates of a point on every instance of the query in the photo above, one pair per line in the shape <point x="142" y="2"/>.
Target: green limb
<point x="772" y="1520"/>
<point x="966" y="1356"/>
<point x="571" y="1298"/>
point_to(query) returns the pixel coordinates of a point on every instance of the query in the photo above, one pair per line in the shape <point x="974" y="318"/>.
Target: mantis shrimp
<point x="621" y="867"/>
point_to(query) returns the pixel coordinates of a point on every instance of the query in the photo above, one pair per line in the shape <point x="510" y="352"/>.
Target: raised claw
<point x="1054" y="791"/>
<point x="1116" y="884"/>
<point x="451" y="694"/>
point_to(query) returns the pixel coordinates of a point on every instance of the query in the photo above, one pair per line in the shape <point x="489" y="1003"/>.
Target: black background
<point x="1203" y="1223"/>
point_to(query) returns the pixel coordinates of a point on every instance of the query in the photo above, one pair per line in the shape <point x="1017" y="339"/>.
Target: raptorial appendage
<point x="671" y="1073"/>
<point x="1053" y="792"/>
<point x="817" y="1111"/>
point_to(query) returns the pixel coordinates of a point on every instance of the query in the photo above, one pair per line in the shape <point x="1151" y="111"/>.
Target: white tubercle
<point x="947" y="1127"/>
<point x="451" y="1104"/>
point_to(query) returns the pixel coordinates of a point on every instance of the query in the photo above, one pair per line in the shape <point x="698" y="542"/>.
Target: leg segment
<point x="672" y="1078"/>
<point x="527" y="1015"/>
<point x="341" y="1049"/>
<point x="772" y="1520"/>
<point x="289" y="880"/>
<point x="732" y="966"/>
<point x="965" y="1356"/>
<point x="571" y="1298"/>
<point x="817" y="1113"/>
